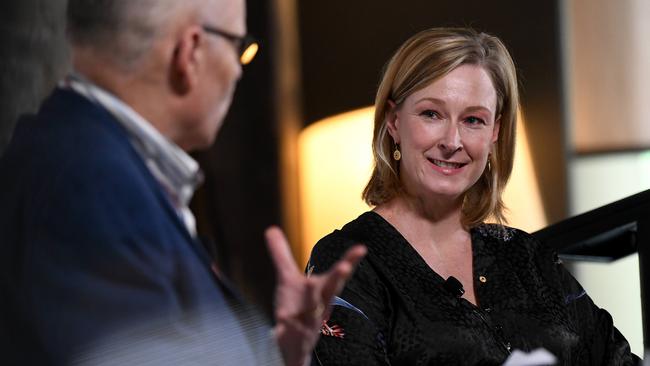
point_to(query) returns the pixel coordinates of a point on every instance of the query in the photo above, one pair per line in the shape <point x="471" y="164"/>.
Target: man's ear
<point x="186" y="60"/>
<point x="392" y="121"/>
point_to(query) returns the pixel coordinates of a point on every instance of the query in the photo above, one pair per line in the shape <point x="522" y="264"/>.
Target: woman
<point x="439" y="286"/>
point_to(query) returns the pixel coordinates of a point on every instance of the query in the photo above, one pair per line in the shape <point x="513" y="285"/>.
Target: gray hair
<point x="120" y="30"/>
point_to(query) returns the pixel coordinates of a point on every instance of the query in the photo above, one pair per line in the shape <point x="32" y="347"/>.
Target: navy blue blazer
<point x="90" y="243"/>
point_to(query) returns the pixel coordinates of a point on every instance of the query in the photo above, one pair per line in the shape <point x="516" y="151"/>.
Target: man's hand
<point x="300" y="301"/>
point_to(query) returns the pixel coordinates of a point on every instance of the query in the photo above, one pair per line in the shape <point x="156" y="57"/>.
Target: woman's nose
<point x="451" y="141"/>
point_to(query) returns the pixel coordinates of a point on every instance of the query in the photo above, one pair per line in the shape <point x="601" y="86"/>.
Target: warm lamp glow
<point x="522" y="196"/>
<point x="336" y="162"/>
<point x="335" y="157"/>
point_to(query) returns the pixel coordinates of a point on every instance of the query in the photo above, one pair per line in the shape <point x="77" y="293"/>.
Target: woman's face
<point x="446" y="132"/>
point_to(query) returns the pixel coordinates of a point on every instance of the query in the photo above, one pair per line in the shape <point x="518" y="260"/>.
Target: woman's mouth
<point x="446" y="164"/>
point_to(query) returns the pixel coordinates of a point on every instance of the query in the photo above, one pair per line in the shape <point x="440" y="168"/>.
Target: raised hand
<point x="300" y="301"/>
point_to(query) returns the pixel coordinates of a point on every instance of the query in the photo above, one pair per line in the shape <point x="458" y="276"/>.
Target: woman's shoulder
<point x="502" y="233"/>
<point x="331" y="247"/>
<point x="497" y="235"/>
<point x="518" y="247"/>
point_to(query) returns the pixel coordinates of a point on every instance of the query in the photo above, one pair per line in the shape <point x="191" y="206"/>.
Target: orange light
<point x="249" y="54"/>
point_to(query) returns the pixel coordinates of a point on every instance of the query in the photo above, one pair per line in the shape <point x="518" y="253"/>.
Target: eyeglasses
<point x="246" y="46"/>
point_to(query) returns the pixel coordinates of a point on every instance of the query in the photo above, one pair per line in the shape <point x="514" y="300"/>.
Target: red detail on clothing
<point x="332" y="331"/>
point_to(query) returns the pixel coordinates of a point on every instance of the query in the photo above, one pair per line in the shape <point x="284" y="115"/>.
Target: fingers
<point x="280" y="252"/>
<point x="335" y="278"/>
<point x="355" y="254"/>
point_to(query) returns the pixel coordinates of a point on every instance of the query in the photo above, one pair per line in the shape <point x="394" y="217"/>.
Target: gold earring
<point x="397" y="155"/>
<point x="489" y="165"/>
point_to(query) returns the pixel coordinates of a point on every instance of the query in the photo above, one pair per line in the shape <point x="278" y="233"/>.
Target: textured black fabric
<point x="396" y="310"/>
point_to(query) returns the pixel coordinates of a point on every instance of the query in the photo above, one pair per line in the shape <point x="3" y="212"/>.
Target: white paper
<point x="536" y="357"/>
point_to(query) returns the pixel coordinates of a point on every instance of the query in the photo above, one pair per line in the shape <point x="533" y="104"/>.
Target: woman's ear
<point x="392" y="121"/>
<point x="495" y="131"/>
<point x="186" y="60"/>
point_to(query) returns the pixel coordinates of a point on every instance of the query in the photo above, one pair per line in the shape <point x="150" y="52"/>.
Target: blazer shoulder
<point x="72" y="134"/>
<point x="76" y="151"/>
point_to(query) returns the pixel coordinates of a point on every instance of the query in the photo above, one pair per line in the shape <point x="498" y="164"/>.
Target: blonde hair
<point x="422" y="59"/>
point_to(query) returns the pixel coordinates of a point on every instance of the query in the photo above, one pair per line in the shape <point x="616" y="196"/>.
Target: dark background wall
<point x="240" y="196"/>
<point x="346" y="43"/>
<point x="33" y="56"/>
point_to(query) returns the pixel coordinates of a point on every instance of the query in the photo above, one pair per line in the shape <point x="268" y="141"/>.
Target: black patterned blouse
<point x="397" y="311"/>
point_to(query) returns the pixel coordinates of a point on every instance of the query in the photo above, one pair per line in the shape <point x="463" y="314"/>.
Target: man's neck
<point x="143" y="95"/>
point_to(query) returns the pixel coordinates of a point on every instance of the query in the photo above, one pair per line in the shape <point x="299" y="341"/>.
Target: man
<point x="100" y="259"/>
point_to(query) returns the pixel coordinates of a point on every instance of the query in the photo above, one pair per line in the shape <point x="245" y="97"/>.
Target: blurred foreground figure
<point x="100" y="261"/>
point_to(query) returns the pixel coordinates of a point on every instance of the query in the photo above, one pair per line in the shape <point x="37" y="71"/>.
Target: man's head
<point x="157" y="56"/>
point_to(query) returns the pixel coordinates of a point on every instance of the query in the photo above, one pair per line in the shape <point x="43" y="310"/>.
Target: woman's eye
<point x="474" y="121"/>
<point x="430" y="114"/>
